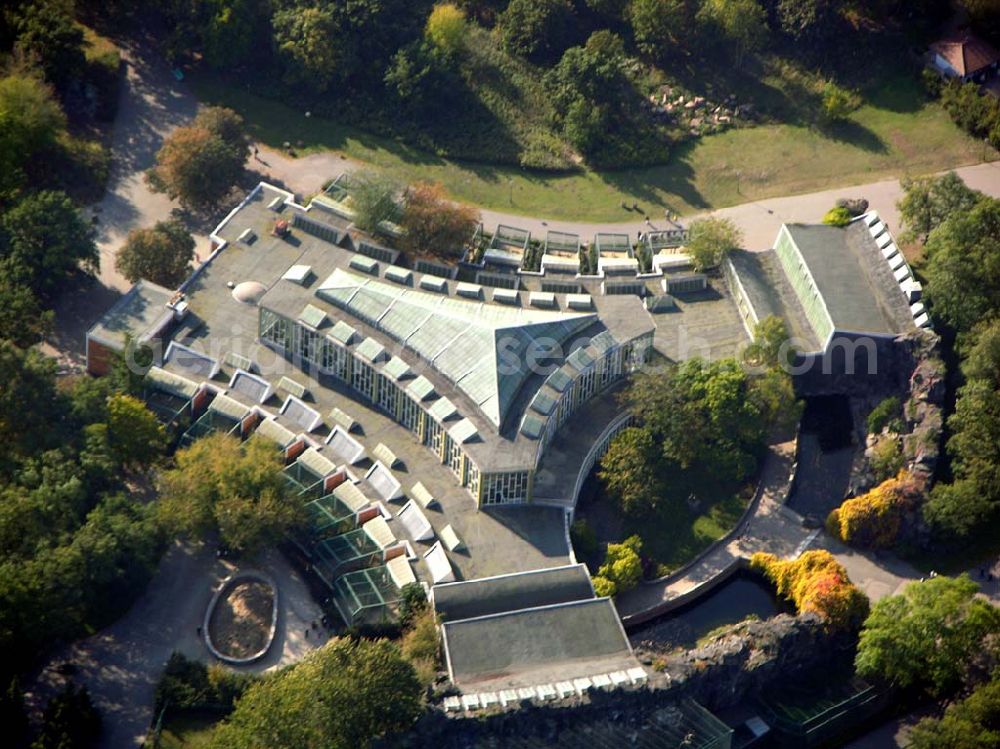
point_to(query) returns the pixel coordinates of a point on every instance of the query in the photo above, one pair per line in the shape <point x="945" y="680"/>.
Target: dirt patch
<point x="241" y="622"/>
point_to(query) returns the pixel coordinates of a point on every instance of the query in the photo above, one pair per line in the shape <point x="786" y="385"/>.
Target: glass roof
<point x="479" y="347"/>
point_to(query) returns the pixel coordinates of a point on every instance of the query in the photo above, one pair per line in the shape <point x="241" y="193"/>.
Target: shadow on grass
<point x="856" y="134"/>
<point x="675" y="178"/>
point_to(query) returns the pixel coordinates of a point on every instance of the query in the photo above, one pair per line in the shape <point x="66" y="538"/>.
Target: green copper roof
<point x="479" y="347"/>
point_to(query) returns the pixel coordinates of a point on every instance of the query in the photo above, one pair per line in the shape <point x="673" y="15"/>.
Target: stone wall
<point x="921" y="389"/>
<point x="740" y="662"/>
<point x="722" y="673"/>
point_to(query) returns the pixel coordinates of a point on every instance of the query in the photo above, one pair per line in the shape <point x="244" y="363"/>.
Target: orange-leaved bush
<point x="815" y="582"/>
<point x="873" y="520"/>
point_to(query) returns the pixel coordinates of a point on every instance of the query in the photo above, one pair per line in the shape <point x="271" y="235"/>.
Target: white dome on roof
<point x="249" y="292"/>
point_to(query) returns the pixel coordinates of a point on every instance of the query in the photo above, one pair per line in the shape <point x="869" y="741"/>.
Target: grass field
<point x="671" y="538"/>
<point x="898" y="132"/>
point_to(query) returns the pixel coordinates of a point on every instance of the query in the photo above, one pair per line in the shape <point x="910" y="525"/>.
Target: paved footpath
<point x="121" y="664"/>
<point x="759" y="220"/>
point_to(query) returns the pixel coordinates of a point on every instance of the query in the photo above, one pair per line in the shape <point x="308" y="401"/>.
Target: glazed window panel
<point x="275" y="329"/>
<point x="505" y="488"/>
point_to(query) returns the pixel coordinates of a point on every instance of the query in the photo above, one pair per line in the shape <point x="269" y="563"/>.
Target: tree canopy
<point x="433" y="225"/>
<point x="161" y="254"/>
<point x="373" y="199"/>
<point x="969" y="723"/>
<point x="199" y="164"/>
<point x="220" y="485"/>
<point x="344" y="695"/>
<point x="46" y="239"/>
<point x="710" y="240"/>
<point x="928" y="635"/>
<point x="928" y="201"/>
<point x="537" y="29"/>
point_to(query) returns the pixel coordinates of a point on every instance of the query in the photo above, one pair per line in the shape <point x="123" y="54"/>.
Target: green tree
<point x="235" y="489"/>
<point x="373" y="199"/>
<point x="928" y="635"/>
<point x="226" y="124"/>
<point x="537" y="29"/>
<point x="135" y="435"/>
<point x="743" y="24"/>
<point x="433" y="225"/>
<point x="30" y="122"/>
<point x="959" y="510"/>
<point x="346" y="694"/>
<point x="659" y="26"/>
<point x="771" y="346"/>
<point x="982" y="360"/>
<point x="28" y="378"/>
<point x="306" y="38"/>
<point x="23" y="320"/>
<point x="46" y="31"/>
<point x="590" y="91"/>
<point x="710" y="240"/>
<point x="45" y="235"/>
<point x="162" y="254"/>
<point x="14" y="714"/>
<point x="70" y="721"/>
<point x="446" y="28"/>
<point x="233" y="30"/>
<point x="971" y="723"/>
<point x="928" y="201"/>
<point x="630" y="471"/>
<point x="963" y="266"/>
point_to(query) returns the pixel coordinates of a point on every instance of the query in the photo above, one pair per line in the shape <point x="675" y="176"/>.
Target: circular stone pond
<point x="242" y="618"/>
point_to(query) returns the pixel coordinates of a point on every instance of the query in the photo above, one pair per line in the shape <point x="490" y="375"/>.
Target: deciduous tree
<point x="235" y="489"/>
<point x="928" y="201"/>
<point x="346" y="694"/>
<point x="537" y="29"/>
<point x="374" y="199"/>
<point x="446" y="28"/>
<point x="928" y="635"/>
<point x="161" y="254"/>
<point x="46" y="236"/>
<point x="710" y="240"/>
<point x="434" y="225"/>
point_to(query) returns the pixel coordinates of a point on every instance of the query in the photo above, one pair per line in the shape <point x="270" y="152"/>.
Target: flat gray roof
<point x="842" y="261"/>
<point x="140" y="313"/>
<point x="576" y="635"/>
<point x="493" y="595"/>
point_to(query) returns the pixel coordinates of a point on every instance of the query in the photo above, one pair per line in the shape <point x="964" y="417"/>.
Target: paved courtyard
<point x="121" y="664"/>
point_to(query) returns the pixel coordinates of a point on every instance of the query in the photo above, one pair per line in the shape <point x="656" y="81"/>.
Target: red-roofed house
<point x="965" y="56"/>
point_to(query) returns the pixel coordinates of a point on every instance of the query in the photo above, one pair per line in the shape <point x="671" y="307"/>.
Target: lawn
<point x="186" y="732"/>
<point x="898" y="132"/>
<point x="670" y="539"/>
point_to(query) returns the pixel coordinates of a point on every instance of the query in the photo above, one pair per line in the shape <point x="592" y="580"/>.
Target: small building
<point x="965" y="56"/>
<point x="143" y="314"/>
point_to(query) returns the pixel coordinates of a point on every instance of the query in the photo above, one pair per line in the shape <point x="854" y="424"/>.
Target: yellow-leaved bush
<point x="873" y="520"/>
<point x="815" y="582"/>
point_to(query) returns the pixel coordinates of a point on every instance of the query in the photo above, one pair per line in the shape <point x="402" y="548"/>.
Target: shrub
<point x="412" y="603"/>
<point x="838" y="102"/>
<point x="837" y="216"/>
<point x="373" y="199"/>
<point x="421" y="646"/>
<point x="883" y="413"/>
<point x="188" y="685"/>
<point x="622" y="568"/>
<point x="855" y="206"/>
<point x="873" y="519"/>
<point x="815" y="582"/>
<point x="887" y="458"/>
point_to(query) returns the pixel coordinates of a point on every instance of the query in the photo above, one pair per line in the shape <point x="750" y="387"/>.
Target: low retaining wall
<point x="225" y="587"/>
